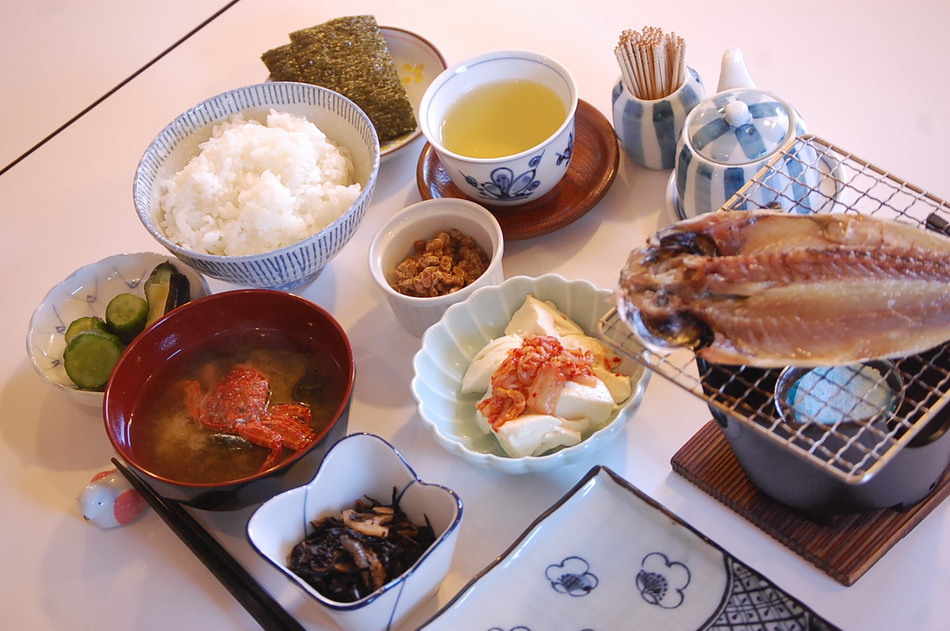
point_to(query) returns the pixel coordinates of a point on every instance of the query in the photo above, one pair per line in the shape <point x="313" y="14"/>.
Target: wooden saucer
<point x="589" y="176"/>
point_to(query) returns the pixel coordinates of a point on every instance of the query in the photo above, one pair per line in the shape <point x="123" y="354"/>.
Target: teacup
<point x="501" y="167"/>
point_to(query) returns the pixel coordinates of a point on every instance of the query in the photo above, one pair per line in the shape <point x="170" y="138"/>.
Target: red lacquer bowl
<point x="170" y="344"/>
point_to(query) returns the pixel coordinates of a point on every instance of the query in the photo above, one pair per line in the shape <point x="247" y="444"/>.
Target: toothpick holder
<point x="649" y="129"/>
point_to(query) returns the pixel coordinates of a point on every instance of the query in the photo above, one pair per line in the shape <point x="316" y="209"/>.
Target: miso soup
<point x="165" y="439"/>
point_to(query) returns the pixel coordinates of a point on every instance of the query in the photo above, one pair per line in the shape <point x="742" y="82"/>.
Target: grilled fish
<point x="770" y="289"/>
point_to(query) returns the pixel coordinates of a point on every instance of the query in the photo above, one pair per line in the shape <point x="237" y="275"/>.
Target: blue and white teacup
<point x="648" y="129"/>
<point x="512" y="179"/>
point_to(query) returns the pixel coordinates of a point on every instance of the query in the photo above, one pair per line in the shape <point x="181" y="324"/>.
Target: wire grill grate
<point x="852" y="449"/>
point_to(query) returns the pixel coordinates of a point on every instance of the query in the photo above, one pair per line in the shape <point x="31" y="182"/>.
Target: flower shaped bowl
<point x="362" y="465"/>
<point x="449" y="346"/>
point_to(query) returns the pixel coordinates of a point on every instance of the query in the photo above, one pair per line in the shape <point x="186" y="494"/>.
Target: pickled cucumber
<point x="126" y="315"/>
<point x="84" y="323"/>
<point x="90" y="357"/>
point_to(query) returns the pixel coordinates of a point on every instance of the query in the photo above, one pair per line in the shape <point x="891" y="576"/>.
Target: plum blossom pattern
<point x="571" y="576"/>
<point x="661" y="582"/>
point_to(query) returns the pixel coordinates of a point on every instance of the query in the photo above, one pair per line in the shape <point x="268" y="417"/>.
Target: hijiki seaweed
<point x="346" y="558"/>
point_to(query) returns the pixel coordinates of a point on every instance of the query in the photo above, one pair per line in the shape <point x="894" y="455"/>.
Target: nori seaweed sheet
<point x="282" y="64"/>
<point x="348" y="55"/>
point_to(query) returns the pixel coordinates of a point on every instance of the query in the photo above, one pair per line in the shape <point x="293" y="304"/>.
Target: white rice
<point x="257" y="187"/>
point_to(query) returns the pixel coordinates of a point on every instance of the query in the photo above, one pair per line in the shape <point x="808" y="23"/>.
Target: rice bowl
<point x="257" y="186"/>
<point x="288" y="266"/>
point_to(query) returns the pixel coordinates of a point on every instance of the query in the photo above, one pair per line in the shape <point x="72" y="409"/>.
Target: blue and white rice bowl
<point x="293" y="265"/>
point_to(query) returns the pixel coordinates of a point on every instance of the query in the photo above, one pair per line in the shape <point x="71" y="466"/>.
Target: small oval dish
<point x="362" y="465"/>
<point x="418" y="62"/>
<point x="449" y="346"/>
<point x="86" y="292"/>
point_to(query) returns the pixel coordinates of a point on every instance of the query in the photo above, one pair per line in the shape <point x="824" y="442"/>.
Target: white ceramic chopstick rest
<point x="109" y="500"/>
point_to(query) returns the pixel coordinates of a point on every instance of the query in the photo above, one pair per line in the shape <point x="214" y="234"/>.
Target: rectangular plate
<point x="606" y="556"/>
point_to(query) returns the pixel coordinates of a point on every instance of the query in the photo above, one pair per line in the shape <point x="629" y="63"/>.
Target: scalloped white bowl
<point x="362" y="465"/>
<point x="86" y="292"/>
<point x="449" y="346"/>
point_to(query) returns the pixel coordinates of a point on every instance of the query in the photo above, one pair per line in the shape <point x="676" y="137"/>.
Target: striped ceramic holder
<point x="655" y="92"/>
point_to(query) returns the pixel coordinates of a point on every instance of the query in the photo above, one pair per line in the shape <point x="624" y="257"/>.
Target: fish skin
<point x="771" y="289"/>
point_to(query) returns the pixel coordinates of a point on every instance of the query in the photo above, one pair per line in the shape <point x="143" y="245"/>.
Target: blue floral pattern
<point x="661" y="582"/>
<point x="504" y="185"/>
<point x="571" y="576"/>
<point x="565" y="157"/>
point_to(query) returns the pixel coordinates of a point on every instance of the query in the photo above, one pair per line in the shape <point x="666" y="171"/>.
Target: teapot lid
<point x="739" y="126"/>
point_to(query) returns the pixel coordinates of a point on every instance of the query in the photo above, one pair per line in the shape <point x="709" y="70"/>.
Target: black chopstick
<point x="247" y="591"/>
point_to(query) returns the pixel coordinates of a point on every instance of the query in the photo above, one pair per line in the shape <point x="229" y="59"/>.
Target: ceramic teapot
<point x="730" y="136"/>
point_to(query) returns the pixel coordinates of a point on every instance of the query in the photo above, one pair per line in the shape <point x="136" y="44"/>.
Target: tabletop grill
<point x="851" y="454"/>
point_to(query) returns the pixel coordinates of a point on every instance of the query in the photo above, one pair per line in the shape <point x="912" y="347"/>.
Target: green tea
<point x="502" y="119"/>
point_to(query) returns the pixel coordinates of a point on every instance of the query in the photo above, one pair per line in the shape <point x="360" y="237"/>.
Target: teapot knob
<point x="736" y="114"/>
<point x="732" y="72"/>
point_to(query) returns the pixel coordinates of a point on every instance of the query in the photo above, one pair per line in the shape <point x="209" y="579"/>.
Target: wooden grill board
<point x="844" y="547"/>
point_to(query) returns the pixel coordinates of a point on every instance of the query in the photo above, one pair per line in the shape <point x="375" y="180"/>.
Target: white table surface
<point x="866" y="75"/>
<point x="60" y="58"/>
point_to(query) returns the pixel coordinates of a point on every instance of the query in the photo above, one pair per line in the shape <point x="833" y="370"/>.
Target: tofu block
<point x="539" y="317"/>
<point x="535" y="434"/>
<point x="477" y="378"/>
<point x="586" y="343"/>
<point x="620" y="386"/>
<point x="606" y="362"/>
<point x="578" y="401"/>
